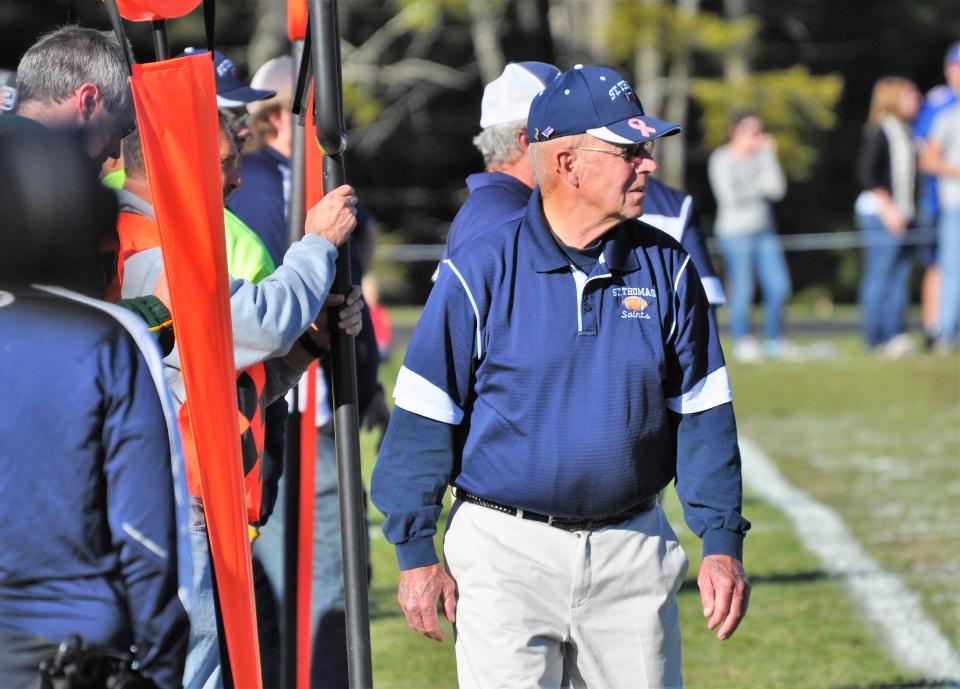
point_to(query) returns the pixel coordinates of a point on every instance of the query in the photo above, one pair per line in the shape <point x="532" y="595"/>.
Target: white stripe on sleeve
<point x="709" y="392"/>
<point x="473" y="303"/>
<point x="418" y="395"/>
<point x="676" y="284"/>
<point x="714" y="289"/>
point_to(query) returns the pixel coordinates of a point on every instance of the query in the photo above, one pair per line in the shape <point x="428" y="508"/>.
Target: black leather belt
<point x="565" y="523"/>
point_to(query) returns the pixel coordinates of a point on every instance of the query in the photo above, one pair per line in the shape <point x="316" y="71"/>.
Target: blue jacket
<point x="532" y="384"/>
<point x="90" y="538"/>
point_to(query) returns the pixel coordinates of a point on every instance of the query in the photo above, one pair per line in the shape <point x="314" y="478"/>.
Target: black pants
<point x="20" y="657"/>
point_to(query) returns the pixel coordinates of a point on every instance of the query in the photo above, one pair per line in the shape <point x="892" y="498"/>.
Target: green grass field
<point x="878" y="441"/>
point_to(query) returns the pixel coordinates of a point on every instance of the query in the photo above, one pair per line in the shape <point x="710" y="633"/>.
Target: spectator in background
<point x="941" y="157"/>
<point x="938" y="98"/>
<point x="747" y="179"/>
<point x="885" y="209"/>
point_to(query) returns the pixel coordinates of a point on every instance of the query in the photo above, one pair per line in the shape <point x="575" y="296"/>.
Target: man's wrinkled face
<point x="229" y="164"/>
<point x="613" y="180"/>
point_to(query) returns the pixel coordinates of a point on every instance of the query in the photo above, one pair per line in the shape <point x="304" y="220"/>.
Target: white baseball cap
<point x="274" y="75"/>
<point x="507" y="98"/>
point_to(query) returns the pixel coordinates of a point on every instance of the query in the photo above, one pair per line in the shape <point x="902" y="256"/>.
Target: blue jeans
<point x="329" y="667"/>
<point x="758" y="253"/>
<point x="202" y="670"/>
<point x="883" y="284"/>
<point x="948" y="258"/>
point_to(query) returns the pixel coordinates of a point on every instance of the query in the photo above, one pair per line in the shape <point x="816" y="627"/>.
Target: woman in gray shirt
<point x="746" y="179"/>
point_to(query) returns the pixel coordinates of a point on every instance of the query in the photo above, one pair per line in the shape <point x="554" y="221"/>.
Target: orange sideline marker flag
<point x="296" y="19"/>
<point x="149" y="10"/>
<point x="308" y="441"/>
<point x="177" y="114"/>
<point x="308" y="471"/>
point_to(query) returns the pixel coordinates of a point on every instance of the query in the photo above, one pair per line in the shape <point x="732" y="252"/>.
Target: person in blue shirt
<point x="565" y="369"/>
<point x="88" y="451"/>
<point x="506" y="183"/>
<point x="928" y="208"/>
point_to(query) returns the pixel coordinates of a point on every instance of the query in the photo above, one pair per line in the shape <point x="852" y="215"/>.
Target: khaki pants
<point x="543" y="607"/>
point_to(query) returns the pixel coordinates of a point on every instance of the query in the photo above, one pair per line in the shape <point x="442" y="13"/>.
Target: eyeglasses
<point x="628" y="153"/>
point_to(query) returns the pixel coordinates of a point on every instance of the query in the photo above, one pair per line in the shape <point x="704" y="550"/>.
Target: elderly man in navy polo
<point x="566" y="368"/>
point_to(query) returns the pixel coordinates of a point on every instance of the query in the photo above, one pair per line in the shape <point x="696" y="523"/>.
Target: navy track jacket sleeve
<point x="700" y="399"/>
<point x="140" y="512"/>
<point x="416" y="460"/>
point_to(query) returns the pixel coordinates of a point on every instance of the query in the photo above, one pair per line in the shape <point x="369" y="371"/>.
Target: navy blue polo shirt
<point x="563" y="384"/>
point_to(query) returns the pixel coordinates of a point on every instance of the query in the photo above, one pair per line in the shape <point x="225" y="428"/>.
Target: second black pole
<point x="325" y="48"/>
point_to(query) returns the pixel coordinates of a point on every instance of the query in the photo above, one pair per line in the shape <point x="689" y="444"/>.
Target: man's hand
<point x="335" y="217"/>
<point x="419" y="592"/>
<point x="349" y="319"/>
<point x="724" y="592"/>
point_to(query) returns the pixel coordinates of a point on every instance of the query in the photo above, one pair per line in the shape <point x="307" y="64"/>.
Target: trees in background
<point x="414" y="71"/>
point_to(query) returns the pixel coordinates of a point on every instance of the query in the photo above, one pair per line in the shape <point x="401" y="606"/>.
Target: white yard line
<point x="914" y="639"/>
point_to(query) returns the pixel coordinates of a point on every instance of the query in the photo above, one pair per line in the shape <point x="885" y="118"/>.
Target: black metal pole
<point x="291" y="472"/>
<point x="328" y="103"/>
<point x="291" y="543"/>
<point x="160" y="46"/>
<point x="117" y="22"/>
<point x="298" y="163"/>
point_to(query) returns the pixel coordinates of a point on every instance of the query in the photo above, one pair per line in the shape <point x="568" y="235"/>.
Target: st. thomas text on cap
<point x="596" y="101"/>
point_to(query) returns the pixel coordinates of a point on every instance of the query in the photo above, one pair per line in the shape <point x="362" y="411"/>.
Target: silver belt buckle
<point x="550" y="520"/>
<point x="519" y="514"/>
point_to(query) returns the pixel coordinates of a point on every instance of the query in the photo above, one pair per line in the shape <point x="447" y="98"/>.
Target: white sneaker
<point x="747" y="350"/>
<point x="899" y="346"/>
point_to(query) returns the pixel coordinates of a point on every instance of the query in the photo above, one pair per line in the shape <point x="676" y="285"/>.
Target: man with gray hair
<point x="508" y="179"/>
<point x="76" y="78"/>
<point x="564" y="371"/>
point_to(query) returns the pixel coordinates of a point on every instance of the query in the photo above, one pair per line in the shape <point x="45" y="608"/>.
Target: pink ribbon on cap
<point x="644" y="128"/>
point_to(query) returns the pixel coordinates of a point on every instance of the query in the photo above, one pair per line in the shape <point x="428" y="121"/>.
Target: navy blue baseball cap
<point x="596" y="101"/>
<point x="232" y="92"/>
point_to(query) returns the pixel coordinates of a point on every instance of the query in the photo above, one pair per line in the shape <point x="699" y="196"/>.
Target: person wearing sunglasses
<point x="566" y="368"/>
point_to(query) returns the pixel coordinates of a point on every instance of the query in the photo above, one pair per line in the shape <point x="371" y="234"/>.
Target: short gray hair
<point x="62" y="61"/>
<point x="498" y="143"/>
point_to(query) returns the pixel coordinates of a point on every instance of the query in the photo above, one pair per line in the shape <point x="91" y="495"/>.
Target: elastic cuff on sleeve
<point x="418" y="553"/>
<point x="723" y="542"/>
<point x="319" y="241"/>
